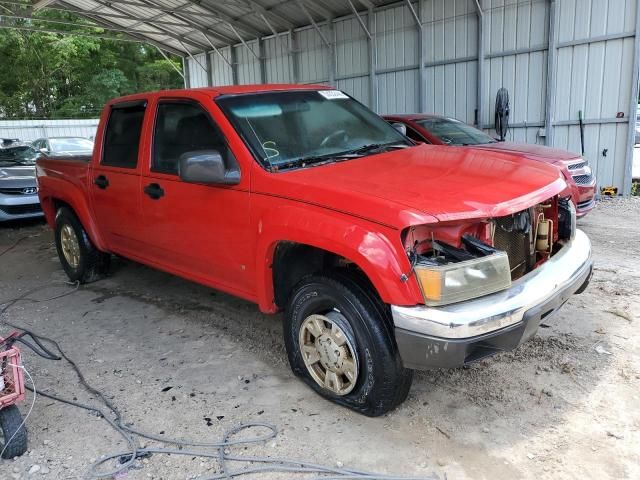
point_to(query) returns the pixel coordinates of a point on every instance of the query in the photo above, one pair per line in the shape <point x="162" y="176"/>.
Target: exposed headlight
<point x="456" y="282"/>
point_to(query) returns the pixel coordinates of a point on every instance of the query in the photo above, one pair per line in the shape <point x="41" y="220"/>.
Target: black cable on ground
<point x="220" y="449"/>
<point x="13" y="245"/>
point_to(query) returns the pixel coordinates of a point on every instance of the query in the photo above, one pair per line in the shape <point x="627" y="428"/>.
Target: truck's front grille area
<point x="583" y="179"/>
<point x="576" y="166"/>
<point x="515" y="244"/>
<point x="21" y="209"/>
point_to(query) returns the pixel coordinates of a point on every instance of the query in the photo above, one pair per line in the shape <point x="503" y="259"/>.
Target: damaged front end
<point x="454" y="263"/>
<point x="488" y="284"/>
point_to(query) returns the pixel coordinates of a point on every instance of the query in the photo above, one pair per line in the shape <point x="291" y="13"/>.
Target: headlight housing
<point x="460" y="281"/>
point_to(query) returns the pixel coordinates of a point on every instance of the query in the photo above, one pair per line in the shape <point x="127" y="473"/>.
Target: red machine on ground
<point x="13" y="434"/>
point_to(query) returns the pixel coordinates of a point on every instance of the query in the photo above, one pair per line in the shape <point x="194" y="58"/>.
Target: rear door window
<point x="122" y="137"/>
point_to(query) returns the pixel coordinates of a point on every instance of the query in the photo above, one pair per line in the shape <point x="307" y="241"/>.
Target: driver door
<point x="195" y="230"/>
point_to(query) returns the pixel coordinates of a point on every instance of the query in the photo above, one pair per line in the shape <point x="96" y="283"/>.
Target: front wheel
<point x="80" y="259"/>
<point x="339" y="339"/>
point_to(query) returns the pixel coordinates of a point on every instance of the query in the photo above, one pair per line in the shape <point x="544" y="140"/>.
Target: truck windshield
<point x="301" y="128"/>
<point x="454" y="132"/>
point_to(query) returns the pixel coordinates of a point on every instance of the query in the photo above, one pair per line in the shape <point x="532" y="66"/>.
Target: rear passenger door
<point x="195" y="230"/>
<point x="115" y="180"/>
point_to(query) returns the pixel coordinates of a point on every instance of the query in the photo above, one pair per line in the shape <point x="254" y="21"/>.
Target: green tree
<point x="54" y="75"/>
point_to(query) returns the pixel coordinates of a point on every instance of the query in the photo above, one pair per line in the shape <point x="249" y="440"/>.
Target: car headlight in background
<point x="457" y="282"/>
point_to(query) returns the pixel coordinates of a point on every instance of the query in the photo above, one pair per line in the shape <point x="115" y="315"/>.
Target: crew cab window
<point x="122" y="137"/>
<point x="182" y="127"/>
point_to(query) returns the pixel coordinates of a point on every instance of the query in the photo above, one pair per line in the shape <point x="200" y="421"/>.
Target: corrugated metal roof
<point x="188" y="27"/>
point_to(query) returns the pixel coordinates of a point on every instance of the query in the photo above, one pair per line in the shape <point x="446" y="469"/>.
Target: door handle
<point x="154" y="191"/>
<point x="101" y="181"/>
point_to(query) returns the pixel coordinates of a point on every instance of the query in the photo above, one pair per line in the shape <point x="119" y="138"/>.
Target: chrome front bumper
<point x="455" y="334"/>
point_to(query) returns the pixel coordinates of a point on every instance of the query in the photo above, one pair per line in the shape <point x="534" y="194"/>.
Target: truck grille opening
<point x="576" y="166"/>
<point x="583" y="179"/>
<point x="516" y="245"/>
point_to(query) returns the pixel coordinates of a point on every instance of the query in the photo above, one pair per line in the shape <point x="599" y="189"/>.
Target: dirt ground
<point x="564" y="405"/>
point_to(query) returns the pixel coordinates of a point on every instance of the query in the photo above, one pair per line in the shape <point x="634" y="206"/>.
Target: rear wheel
<point x="80" y="259"/>
<point x="13" y="434"/>
<point x="339" y="340"/>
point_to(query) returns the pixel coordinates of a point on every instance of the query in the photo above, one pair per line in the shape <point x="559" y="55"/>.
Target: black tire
<point x="382" y="383"/>
<point x="93" y="264"/>
<point x="12" y="428"/>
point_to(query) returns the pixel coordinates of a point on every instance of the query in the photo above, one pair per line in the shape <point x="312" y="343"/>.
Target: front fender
<point x="375" y="249"/>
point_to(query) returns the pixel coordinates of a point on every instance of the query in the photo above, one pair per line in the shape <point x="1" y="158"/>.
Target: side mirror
<point x="401" y="127"/>
<point x="207" y="166"/>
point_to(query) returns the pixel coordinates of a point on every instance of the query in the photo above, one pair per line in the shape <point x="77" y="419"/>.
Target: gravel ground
<point x="184" y="361"/>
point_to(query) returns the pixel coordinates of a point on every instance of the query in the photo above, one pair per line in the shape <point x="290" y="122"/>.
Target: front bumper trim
<point x="563" y="274"/>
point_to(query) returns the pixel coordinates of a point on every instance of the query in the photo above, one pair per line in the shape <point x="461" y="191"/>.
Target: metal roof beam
<point x="196" y="26"/>
<point x="263" y="11"/>
<point x="163" y="31"/>
<point x="68" y="32"/>
<point x="313" y="22"/>
<point x="368" y="4"/>
<point x="278" y="38"/>
<point x="72" y="8"/>
<point x="42" y="4"/>
<point x="190" y="23"/>
<point x="140" y="4"/>
<point x="170" y="62"/>
<point x="120" y="29"/>
<point x="479" y="8"/>
<point x="228" y="19"/>
<point x="97" y="23"/>
<point x="319" y="7"/>
<point x="360" y="21"/>
<point x="215" y="49"/>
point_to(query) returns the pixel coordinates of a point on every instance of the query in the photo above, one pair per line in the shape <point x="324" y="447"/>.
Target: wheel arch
<point x="302" y="240"/>
<point x="74" y="200"/>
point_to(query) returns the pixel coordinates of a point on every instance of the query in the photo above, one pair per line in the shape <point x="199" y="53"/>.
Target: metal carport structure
<point x="556" y="57"/>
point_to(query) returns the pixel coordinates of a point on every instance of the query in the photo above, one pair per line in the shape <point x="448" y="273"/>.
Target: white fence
<point x="29" y="130"/>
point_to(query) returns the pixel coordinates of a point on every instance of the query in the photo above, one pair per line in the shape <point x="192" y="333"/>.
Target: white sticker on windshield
<point x="332" y="94"/>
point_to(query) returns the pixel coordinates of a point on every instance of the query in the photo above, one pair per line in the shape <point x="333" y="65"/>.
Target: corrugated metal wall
<point x="425" y="57"/>
<point x="29" y="130"/>
<point x="594" y="74"/>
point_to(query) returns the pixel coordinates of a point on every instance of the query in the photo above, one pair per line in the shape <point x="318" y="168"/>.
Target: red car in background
<point x="440" y="130"/>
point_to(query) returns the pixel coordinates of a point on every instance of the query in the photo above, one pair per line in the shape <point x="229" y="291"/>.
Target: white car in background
<point x="18" y="189"/>
<point x="67" y="146"/>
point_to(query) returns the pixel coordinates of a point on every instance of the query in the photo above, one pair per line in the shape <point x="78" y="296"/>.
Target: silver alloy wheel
<point x="328" y="354"/>
<point x="70" y="245"/>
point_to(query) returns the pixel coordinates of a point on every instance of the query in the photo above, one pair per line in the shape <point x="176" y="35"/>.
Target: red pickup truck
<point x="385" y="256"/>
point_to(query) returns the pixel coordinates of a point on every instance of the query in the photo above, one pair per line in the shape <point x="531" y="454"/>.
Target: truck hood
<point x="420" y="184"/>
<point x="18" y="176"/>
<point x="534" y="152"/>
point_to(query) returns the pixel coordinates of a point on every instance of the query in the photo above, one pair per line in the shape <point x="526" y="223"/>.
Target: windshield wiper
<point x="307" y="161"/>
<point x="317" y="160"/>
<point x="370" y="148"/>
